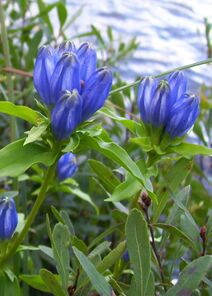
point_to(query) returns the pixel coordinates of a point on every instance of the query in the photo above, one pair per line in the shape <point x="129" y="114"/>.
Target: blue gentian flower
<point x="183" y="115"/>
<point x="67" y="166"/>
<point x="67" y="114"/>
<point x="66" y="68"/>
<point x="8" y="218"/>
<point x="166" y="105"/>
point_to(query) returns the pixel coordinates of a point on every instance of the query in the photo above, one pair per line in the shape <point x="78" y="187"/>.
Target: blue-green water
<point x="171" y="33"/>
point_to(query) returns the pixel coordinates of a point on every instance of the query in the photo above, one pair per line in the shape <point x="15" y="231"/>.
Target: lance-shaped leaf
<point x="138" y="246"/>
<point x="191" y="276"/>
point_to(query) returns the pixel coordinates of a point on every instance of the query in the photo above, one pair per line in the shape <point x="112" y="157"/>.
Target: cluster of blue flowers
<point x="166" y="104"/>
<point x="69" y="83"/>
<point x="8" y="218"/>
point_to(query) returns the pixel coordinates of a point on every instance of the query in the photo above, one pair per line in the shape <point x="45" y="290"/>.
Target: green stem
<point x="162" y="74"/>
<point x="40" y="199"/>
<point x="6" y="51"/>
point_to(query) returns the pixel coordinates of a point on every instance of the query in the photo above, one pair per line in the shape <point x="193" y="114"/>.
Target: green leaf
<point x="188" y="150"/>
<point x="84" y="196"/>
<point x="35" y="281"/>
<point x="138" y="246"/>
<point x="143" y="142"/>
<point x="52" y="283"/>
<point x="118" y="155"/>
<point x="97" y="280"/>
<point x="107" y="232"/>
<point x="62" y="13"/>
<point x="101" y="248"/>
<point x="15" y="158"/>
<point x="126" y="189"/>
<point x="191" y="276"/>
<point x="22" y="112"/>
<point x="35" y="133"/>
<point x="112" y="257"/>
<point x="60" y="246"/>
<point x="172" y="181"/>
<point x="151" y="285"/>
<point x="105" y="175"/>
<point x="79" y="244"/>
<point x="176" y="232"/>
<point x="133" y="126"/>
<point x="9" y="284"/>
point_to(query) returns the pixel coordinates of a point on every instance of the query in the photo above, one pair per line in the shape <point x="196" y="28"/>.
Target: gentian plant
<point x="125" y="224"/>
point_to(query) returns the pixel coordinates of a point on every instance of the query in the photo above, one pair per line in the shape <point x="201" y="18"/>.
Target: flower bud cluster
<point x="167" y="105"/>
<point x="69" y="83"/>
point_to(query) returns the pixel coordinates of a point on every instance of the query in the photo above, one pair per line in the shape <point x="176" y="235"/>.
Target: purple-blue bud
<point x="95" y="92"/>
<point x="177" y="86"/>
<point x="8" y="218"/>
<point x="67" y="114"/>
<point x="66" y="46"/>
<point x="87" y="59"/>
<point x="44" y="67"/>
<point x="183" y="115"/>
<point x="65" y="76"/>
<point x="146" y="92"/>
<point x="160" y="108"/>
<point x="66" y="166"/>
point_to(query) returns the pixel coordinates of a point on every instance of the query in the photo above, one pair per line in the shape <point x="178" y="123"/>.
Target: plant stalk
<point x="6" y="51"/>
<point x="39" y="201"/>
<point x="162" y="74"/>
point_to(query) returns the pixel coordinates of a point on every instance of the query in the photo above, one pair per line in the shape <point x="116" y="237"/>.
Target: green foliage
<point x="139" y="250"/>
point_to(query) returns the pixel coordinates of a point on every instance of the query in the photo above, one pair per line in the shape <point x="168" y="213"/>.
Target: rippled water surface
<point x="170" y="33"/>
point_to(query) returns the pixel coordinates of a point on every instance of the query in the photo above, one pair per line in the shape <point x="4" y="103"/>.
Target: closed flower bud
<point x="87" y="59"/>
<point x="65" y="76"/>
<point x="95" y="91"/>
<point x="66" y="46"/>
<point x="67" y="166"/>
<point x="177" y="86"/>
<point x="8" y="218"/>
<point x="44" y="67"/>
<point x="183" y="115"/>
<point x="67" y="114"/>
<point x="146" y="92"/>
<point x="160" y="108"/>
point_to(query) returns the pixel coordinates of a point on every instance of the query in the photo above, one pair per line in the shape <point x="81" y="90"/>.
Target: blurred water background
<point x="170" y="33"/>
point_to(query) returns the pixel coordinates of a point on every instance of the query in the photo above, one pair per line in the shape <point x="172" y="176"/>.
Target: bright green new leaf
<point x="22" y="112"/>
<point x="35" y="133"/>
<point x="188" y="150"/>
<point x="15" y="158"/>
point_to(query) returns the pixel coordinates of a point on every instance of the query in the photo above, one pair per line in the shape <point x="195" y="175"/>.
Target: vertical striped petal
<point x="95" y="91"/>
<point x="65" y="76"/>
<point x="66" y="114"/>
